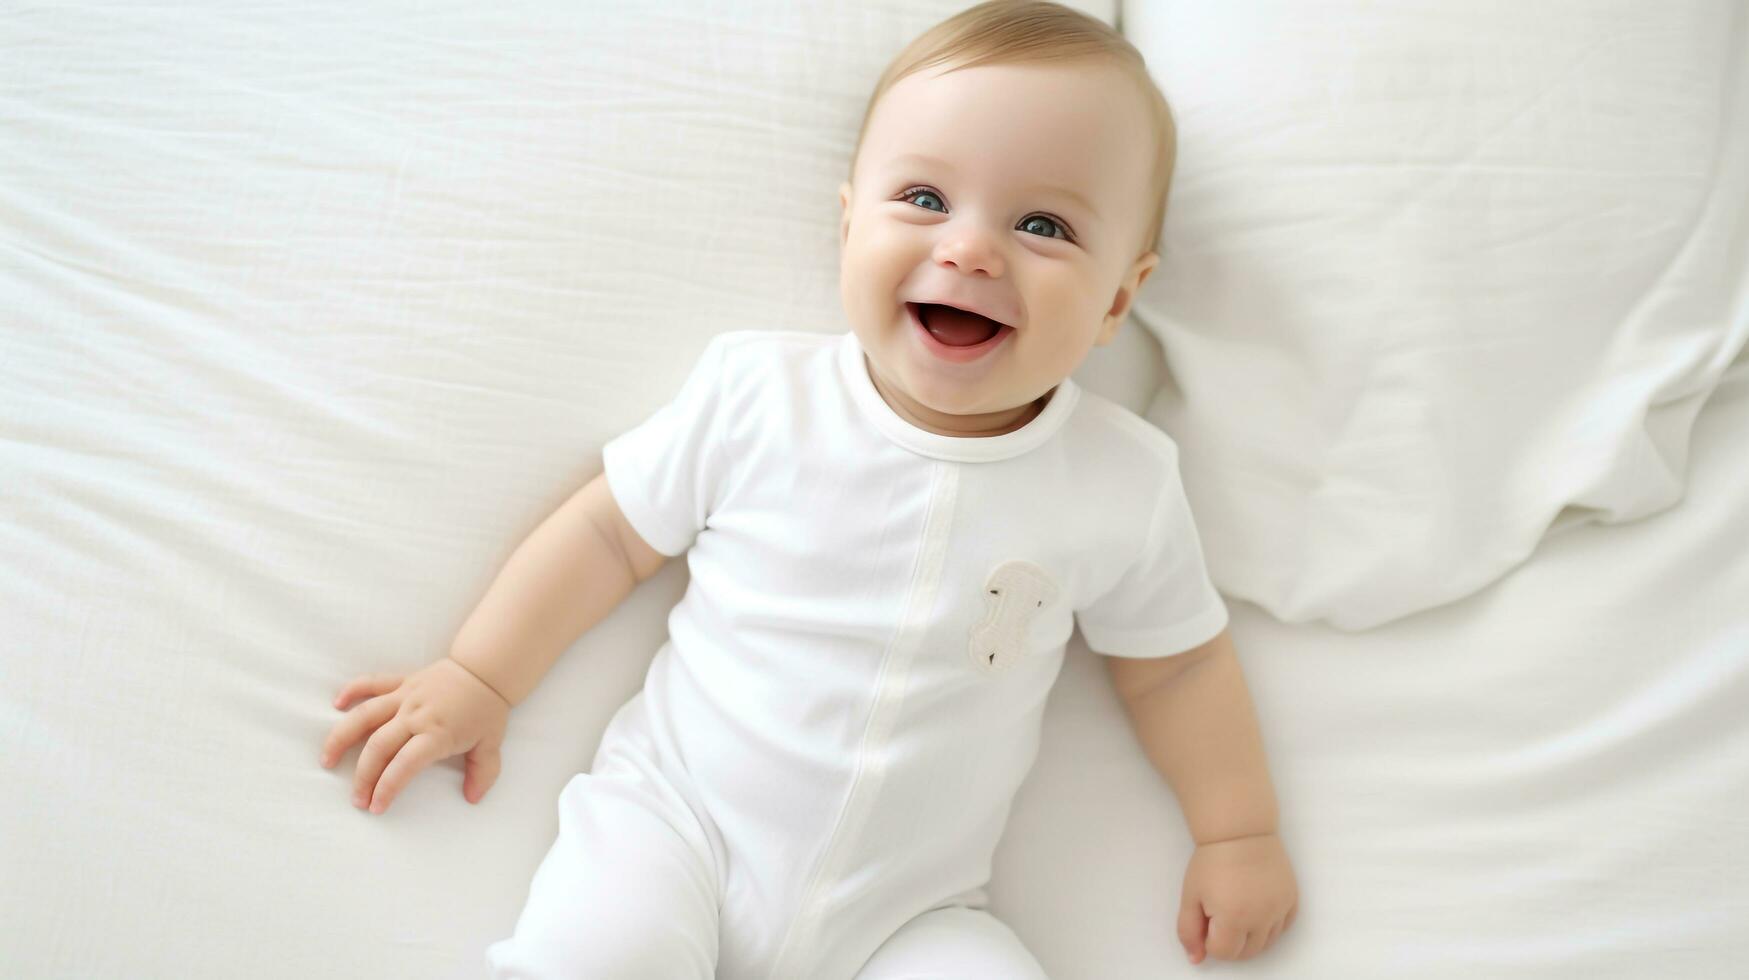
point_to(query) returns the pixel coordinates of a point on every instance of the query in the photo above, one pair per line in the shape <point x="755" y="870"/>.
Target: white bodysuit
<point x="812" y="783"/>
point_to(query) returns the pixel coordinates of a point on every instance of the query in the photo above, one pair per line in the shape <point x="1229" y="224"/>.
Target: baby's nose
<point x="972" y="252"/>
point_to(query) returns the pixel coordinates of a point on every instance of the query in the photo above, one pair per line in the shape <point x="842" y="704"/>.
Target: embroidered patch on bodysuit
<point x="1013" y="596"/>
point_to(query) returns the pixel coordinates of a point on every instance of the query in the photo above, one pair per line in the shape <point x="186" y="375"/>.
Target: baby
<point x="891" y="533"/>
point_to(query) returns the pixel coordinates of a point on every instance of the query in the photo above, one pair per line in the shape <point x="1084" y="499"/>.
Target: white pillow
<point x="1435" y="271"/>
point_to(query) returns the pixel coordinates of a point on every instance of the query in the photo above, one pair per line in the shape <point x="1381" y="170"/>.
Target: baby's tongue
<point x="957" y="328"/>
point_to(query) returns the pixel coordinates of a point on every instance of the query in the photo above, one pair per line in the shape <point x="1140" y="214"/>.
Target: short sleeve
<point x="666" y="472"/>
<point x="1164" y="603"/>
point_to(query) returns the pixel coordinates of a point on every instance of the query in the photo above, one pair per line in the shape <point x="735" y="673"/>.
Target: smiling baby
<point x="891" y="533"/>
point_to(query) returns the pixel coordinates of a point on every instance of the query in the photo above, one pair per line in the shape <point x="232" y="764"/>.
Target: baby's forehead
<point x="1026" y="126"/>
<point x="1070" y="102"/>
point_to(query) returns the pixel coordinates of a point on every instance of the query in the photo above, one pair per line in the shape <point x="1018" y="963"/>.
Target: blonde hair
<point x="1013" y="32"/>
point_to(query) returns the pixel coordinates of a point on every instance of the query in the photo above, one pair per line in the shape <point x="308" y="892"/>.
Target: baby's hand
<point x="434" y="713"/>
<point x="1238" y="896"/>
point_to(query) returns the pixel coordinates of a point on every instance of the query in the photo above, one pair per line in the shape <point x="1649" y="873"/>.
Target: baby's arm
<point x="1193" y="715"/>
<point x="1194" y="718"/>
<point x="567" y="576"/>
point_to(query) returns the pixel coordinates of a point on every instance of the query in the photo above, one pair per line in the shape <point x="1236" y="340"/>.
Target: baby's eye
<point x="1028" y="223"/>
<point x="920" y="192"/>
<point x="1035" y="224"/>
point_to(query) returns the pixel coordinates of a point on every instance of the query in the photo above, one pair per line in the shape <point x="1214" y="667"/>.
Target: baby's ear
<point x="844" y="212"/>
<point x="1126" y="295"/>
<point x="1145" y="266"/>
<point x="1126" y="290"/>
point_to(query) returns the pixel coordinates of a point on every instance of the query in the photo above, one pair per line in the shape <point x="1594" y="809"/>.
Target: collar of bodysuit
<point x="854" y="368"/>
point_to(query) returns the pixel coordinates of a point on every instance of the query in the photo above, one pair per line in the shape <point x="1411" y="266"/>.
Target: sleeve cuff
<point x="643" y="518"/>
<point x="1157" y="643"/>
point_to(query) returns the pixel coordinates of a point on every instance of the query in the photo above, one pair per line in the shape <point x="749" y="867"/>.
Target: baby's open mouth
<point x="956" y="327"/>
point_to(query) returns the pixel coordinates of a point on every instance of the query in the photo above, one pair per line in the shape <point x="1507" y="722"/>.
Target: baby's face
<point x="1017" y="191"/>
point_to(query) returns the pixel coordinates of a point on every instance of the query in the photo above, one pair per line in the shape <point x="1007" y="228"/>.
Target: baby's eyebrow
<point x="924" y="158"/>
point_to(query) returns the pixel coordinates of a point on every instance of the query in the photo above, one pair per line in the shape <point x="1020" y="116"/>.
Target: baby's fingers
<point x="381" y="748"/>
<point x="366" y="685"/>
<point x="420" y="751"/>
<point x="1225" y="940"/>
<point x="1255" y="942"/>
<point x="352" y="729"/>
<point x="480" y="770"/>
<point x="1193" y="926"/>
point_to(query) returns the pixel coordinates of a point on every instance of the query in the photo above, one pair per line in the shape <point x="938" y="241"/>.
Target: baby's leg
<point x="952" y="944"/>
<point x="627" y="891"/>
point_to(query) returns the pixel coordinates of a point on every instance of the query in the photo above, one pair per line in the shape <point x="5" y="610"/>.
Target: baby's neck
<point x="958" y="426"/>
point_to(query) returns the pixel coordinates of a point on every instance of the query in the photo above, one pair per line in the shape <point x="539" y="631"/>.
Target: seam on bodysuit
<point x="800" y="940"/>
